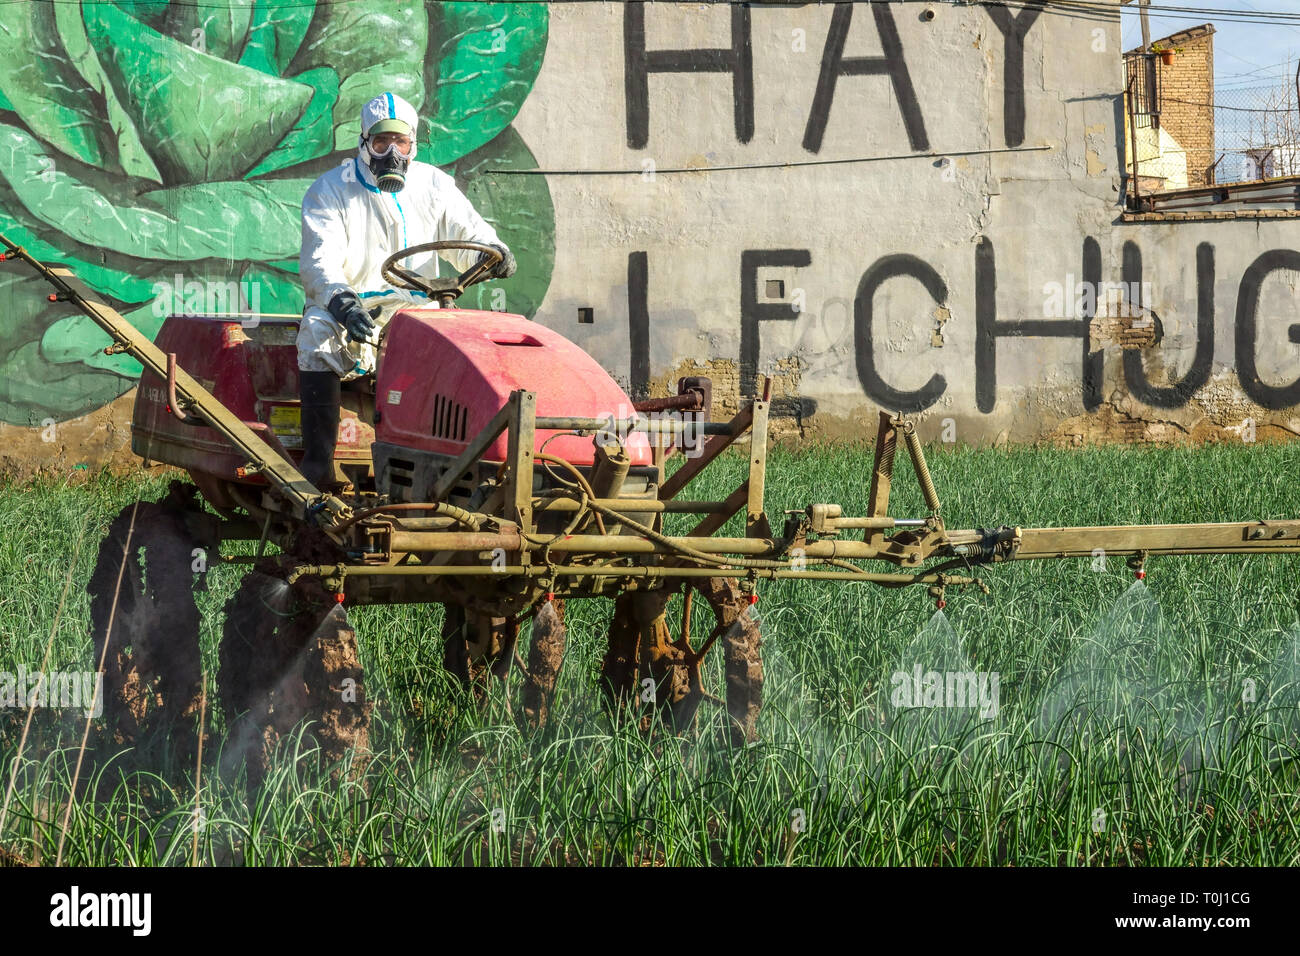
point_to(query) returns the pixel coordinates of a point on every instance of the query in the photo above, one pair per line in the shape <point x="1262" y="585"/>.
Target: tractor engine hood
<point x="445" y="373"/>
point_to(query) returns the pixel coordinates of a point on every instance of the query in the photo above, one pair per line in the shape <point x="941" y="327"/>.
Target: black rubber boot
<point x="321" y="400"/>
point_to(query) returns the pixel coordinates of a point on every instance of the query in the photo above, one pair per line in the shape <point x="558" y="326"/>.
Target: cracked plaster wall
<point x="1036" y="206"/>
<point x="1034" y="202"/>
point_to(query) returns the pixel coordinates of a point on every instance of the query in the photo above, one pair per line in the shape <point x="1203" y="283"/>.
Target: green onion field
<point x="1152" y="723"/>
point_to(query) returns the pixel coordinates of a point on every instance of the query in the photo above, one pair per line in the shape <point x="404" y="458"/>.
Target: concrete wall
<point x="936" y="189"/>
<point x="914" y="273"/>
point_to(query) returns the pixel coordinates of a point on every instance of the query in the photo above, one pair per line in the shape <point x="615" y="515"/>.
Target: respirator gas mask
<point x="389" y="166"/>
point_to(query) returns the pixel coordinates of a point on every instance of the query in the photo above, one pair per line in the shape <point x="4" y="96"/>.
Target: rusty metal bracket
<point x="1271" y="531"/>
<point x="756" y="523"/>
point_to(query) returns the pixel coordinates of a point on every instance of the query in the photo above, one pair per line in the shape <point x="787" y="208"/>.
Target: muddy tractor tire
<point x="644" y="665"/>
<point x="289" y="654"/>
<point x="644" y="668"/>
<point x="477" y="646"/>
<point x="145" y="626"/>
<point x="545" y="657"/>
<point x="742" y="643"/>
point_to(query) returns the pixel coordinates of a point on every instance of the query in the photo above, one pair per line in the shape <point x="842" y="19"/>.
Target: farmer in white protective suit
<point x="353" y="218"/>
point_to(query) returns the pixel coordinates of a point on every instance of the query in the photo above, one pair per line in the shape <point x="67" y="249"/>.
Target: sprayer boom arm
<point x="278" y="470"/>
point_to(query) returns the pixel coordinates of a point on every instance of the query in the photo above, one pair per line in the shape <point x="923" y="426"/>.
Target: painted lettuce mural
<point x="145" y="141"/>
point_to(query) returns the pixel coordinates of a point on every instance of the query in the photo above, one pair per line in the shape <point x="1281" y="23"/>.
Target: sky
<point x="1245" y="54"/>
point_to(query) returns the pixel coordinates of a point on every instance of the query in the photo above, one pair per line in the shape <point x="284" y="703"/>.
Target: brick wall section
<point x="1188" y="81"/>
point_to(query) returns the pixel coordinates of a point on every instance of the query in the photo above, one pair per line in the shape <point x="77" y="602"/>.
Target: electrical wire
<point x="785" y="165"/>
<point x="1235" y="109"/>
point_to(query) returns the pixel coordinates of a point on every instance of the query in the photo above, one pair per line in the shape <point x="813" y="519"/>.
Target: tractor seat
<point x="358" y="395"/>
<point x="365" y="384"/>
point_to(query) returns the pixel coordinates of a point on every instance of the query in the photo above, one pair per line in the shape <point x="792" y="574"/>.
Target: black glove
<point x="347" y="311"/>
<point x="503" y="269"/>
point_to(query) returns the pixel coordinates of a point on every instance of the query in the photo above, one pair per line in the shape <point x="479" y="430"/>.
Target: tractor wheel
<point x="743" y="666"/>
<point x="477" y="646"/>
<point x="545" y="657"/>
<point x="644" y="664"/>
<point x="145" y="626"/>
<point x="288" y="654"/>
<point x="618" y="668"/>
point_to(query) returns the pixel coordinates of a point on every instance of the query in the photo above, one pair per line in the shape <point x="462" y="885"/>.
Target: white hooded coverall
<point x="349" y="227"/>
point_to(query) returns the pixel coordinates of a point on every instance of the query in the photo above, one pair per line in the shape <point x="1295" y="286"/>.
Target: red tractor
<point x="482" y="450"/>
<point x="493" y="467"/>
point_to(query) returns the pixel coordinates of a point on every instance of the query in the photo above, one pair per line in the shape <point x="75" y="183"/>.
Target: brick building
<point x="1172" y="106"/>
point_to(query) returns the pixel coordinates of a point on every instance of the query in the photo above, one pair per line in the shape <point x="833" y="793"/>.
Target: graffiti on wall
<point x="990" y="328"/>
<point x="161" y="150"/>
<point x="1013" y="27"/>
<point x="891" y="64"/>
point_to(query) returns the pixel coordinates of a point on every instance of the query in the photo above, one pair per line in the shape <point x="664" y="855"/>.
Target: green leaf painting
<point x="144" y="140"/>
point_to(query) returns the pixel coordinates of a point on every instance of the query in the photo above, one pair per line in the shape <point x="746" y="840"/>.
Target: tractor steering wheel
<point x="445" y="291"/>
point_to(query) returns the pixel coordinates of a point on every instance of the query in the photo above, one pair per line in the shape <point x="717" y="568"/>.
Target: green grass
<point x="1122" y="736"/>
